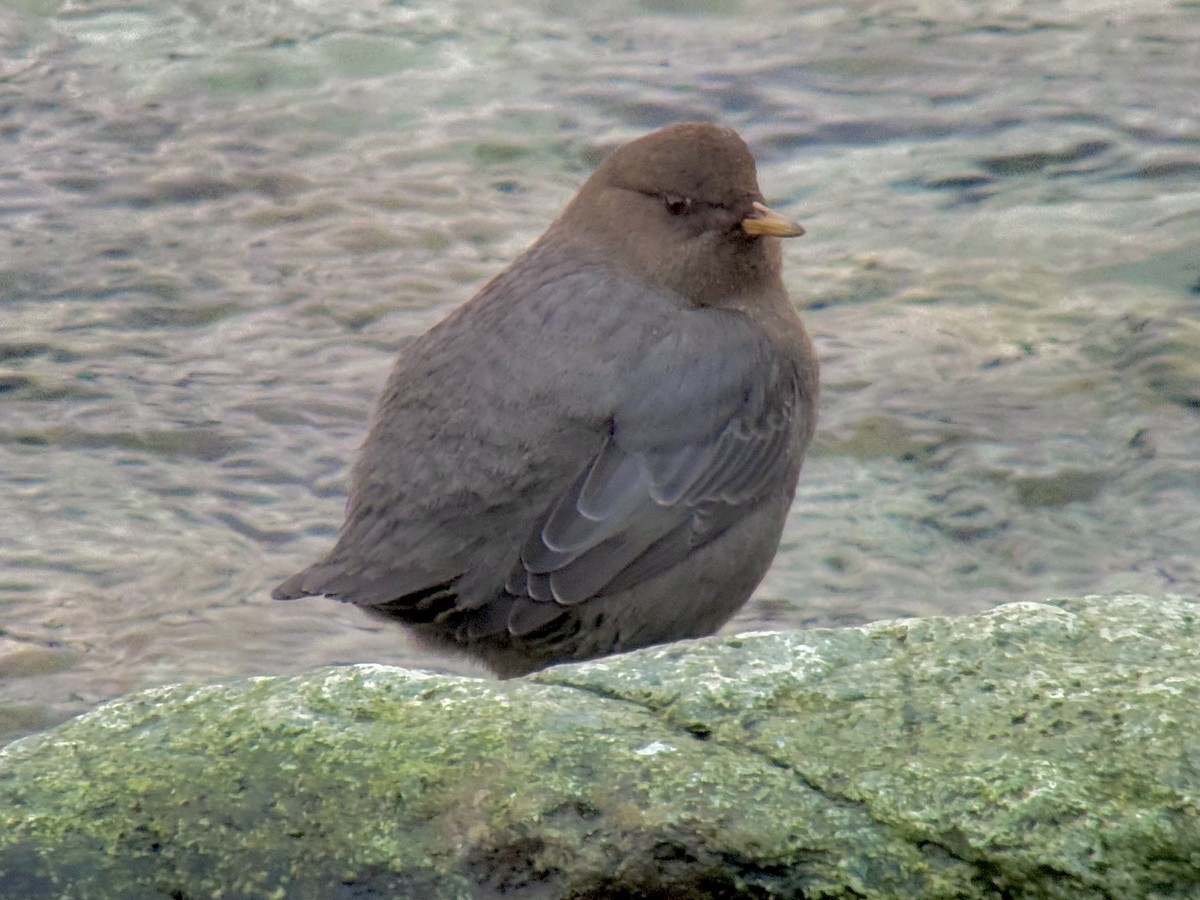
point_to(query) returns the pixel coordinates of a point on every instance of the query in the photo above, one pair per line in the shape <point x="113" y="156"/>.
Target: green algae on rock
<point x="1037" y="750"/>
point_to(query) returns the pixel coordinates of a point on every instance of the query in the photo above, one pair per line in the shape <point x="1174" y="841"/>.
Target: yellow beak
<point x="766" y="221"/>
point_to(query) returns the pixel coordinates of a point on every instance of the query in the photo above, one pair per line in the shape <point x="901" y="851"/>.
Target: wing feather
<point x="633" y="513"/>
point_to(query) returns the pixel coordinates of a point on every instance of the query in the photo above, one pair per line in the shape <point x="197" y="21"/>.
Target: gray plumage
<point x="599" y="450"/>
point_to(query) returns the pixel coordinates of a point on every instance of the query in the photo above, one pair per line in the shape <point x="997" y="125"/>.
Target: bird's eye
<point x="676" y="205"/>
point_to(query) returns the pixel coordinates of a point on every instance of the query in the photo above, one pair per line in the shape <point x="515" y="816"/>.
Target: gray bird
<point x="598" y="451"/>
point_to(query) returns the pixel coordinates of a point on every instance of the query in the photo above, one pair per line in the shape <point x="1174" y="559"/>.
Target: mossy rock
<point x="1037" y="750"/>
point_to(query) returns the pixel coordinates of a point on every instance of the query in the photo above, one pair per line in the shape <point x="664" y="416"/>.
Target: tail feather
<point x="293" y="588"/>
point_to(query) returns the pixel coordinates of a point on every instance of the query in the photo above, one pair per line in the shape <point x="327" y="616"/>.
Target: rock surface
<point x="1037" y="750"/>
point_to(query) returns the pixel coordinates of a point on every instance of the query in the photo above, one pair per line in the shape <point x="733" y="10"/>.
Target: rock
<point x="1037" y="750"/>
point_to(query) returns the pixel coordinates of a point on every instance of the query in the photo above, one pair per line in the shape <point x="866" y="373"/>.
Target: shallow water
<point x="220" y="222"/>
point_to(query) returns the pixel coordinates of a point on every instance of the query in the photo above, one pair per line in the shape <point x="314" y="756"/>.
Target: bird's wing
<point x="696" y="433"/>
<point x="671" y="477"/>
<point x="484" y="420"/>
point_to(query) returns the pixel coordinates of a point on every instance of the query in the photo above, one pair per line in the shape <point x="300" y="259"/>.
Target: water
<point x="220" y="222"/>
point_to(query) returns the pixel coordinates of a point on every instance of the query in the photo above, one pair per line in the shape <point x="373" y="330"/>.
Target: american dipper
<point x="598" y="451"/>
